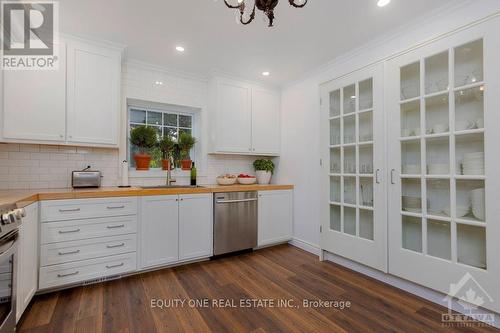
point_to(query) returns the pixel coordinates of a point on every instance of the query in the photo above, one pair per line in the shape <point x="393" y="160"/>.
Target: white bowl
<point x="247" y="181"/>
<point x="226" y="181"/>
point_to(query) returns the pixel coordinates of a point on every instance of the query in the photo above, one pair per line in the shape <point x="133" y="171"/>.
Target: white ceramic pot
<point x="263" y="177"/>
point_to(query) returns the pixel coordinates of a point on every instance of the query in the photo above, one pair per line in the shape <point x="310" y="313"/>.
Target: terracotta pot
<point x="165" y="165"/>
<point x="186" y="164"/>
<point x="142" y="161"/>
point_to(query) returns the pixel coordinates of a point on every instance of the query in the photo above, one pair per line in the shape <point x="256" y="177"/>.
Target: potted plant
<point x="263" y="170"/>
<point x="167" y="147"/>
<point x="143" y="138"/>
<point x="186" y="143"/>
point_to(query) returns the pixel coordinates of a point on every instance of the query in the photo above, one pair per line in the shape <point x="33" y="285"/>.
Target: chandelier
<point x="267" y="6"/>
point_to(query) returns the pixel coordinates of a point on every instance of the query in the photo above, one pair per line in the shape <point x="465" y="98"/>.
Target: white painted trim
<point x="134" y="63"/>
<point x="97" y="42"/>
<point x="410" y="287"/>
<point x="306" y="246"/>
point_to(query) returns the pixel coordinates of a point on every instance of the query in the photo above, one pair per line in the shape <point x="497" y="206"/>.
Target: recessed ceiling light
<point x="266" y="73"/>
<point x="159" y="83"/>
<point x="382" y="3"/>
<point x="180" y="48"/>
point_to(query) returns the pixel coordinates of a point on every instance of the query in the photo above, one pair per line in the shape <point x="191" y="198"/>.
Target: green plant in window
<point x="186" y="143"/>
<point x="143" y="137"/>
<point x="167" y="147"/>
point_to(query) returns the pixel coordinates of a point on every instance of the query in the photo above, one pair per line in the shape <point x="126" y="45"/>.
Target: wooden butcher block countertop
<point x="26" y="197"/>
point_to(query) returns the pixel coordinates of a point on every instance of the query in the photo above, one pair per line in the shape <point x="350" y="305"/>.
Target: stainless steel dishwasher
<point x="235" y="221"/>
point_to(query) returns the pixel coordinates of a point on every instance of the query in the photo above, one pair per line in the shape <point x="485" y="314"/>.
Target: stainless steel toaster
<point x="85" y="178"/>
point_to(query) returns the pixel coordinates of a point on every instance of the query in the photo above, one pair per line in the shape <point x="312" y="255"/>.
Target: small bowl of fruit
<point x="226" y="179"/>
<point x="245" y="179"/>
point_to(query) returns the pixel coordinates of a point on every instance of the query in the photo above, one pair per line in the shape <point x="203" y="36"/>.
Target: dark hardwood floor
<point x="279" y="273"/>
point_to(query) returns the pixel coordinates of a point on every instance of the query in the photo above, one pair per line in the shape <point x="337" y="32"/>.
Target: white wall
<point x="299" y="161"/>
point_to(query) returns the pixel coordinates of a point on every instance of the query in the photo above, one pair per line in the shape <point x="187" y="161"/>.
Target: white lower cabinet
<point x="86" y="239"/>
<point x="27" y="278"/>
<point x="275" y="216"/>
<point x="175" y="228"/>
<point x="195" y="226"/>
<point x="159" y="230"/>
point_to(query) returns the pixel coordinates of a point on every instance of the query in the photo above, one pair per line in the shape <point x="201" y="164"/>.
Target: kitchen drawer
<point x="54" y="232"/>
<point x="60" y="253"/>
<point x="60" y="210"/>
<point x="63" y="274"/>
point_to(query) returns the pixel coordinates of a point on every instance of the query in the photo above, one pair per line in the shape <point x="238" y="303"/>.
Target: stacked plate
<point x="477" y="200"/>
<point x="473" y="164"/>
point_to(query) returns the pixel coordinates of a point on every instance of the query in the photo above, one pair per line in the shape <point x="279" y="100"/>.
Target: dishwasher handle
<point x="235" y="201"/>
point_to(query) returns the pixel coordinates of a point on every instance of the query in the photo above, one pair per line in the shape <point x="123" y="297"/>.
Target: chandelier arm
<point x="250" y="19"/>
<point x="233" y="6"/>
<point x="292" y="2"/>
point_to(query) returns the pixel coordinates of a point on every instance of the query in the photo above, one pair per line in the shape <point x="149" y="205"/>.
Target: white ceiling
<point x="302" y="39"/>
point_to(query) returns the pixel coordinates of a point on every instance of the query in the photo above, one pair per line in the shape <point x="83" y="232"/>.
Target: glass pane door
<point x="442" y="180"/>
<point x="351" y="158"/>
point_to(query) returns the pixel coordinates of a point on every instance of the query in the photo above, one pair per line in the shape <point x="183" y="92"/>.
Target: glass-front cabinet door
<point x="444" y="171"/>
<point x="353" y="200"/>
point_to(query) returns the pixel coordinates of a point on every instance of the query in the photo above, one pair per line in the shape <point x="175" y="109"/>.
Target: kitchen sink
<point x="171" y="186"/>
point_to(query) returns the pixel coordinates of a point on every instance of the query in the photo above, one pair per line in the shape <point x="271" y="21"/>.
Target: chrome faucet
<point x="169" y="172"/>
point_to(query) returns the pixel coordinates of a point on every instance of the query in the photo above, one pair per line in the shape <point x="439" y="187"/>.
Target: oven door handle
<point x="8" y="243"/>
<point x="236" y="201"/>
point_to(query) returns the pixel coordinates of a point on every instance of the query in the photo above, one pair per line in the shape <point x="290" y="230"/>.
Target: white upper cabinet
<point x="245" y="119"/>
<point x="93" y="94"/>
<point x="77" y="104"/>
<point x="265" y="122"/>
<point x="34" y="106"/>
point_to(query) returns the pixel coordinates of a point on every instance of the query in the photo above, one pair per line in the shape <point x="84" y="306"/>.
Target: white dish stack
<point x="473" y="164"/>
<point x="478" y="206"/>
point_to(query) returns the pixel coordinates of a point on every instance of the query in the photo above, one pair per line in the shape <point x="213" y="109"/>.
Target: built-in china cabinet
<point x="438" y="191"/>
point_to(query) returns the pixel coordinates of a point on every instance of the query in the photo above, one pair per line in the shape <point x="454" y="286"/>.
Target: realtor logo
<point x="472" y="297"/>
<point x="29" y="35"/>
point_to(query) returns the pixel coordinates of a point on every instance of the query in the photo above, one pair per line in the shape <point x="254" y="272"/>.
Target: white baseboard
<point x="306" y="246"/>
<point x="412" y="288"/>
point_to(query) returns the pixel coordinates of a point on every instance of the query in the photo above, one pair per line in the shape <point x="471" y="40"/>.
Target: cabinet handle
<point x="69" y="231"/>
<point x="69" y="274"/>
<point x="115" y="226"/>
<point x="71" y="252"/>
<point x="392" y="176"/>
<point x="377" y="180"/>
<point x="116" y="207"/>
<point x="69" y="210"/>
<point x="113" y="246"/>
<point x="114" y="266"/>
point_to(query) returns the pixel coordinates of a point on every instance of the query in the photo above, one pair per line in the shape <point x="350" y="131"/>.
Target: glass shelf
<point x="411" y="199"/>
<point x="469" y="154"/>
<point x="438" y="197"/>
<point x="438" y="156"/>
<point x="366" y="224"/>
<point x="350" y="99"/>
<point x="350" y="190"/>
<point x="410" y="157"/>
<point x="437" y="114"/>
<point x="350" y="221"/>
<point x="335" y="218"/>
<point x="469" y="109"/>
<point x="439" y="239"/>
<point x="410" y="119"/>
<point x="366" y="191"/>
<point x="335" y="103"/>
<point x="366" y="94"/>
<point x="471" y="245"/>
<point x="349" y="129"/>
<point x="350" y="160"/>
<point x="469" y="63"/>
<point x="366" y="159"/>
<point x="335" y="186"/>
<point x="335" y="132"/>
<point x="410" y="81"/>
<point x="335" y="160"/>
<point x="366" y="127"/>
<point x="412" y="233"/>
<point x="436" y="73"/>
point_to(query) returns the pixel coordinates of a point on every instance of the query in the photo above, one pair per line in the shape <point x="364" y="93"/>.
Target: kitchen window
<point x="165" y="122"/>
